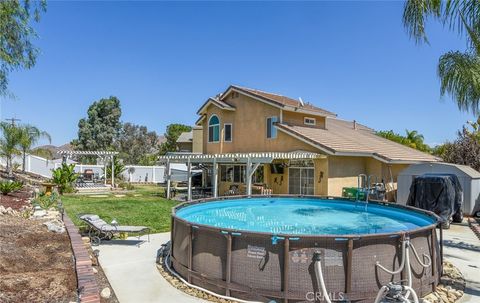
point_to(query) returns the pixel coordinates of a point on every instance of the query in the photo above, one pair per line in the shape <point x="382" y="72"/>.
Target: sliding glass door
<point x="301" y="181"/>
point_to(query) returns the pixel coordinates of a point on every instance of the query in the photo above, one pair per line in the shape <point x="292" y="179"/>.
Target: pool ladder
<point x="364" y="184"/>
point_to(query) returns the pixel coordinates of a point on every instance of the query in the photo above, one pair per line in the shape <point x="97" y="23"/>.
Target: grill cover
<point x="439" y="193"/>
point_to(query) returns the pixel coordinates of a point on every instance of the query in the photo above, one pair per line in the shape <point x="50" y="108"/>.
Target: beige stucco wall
<point x="197" y="143"/>
<point x="249" y="129"/>
<point x="293" y="118"/>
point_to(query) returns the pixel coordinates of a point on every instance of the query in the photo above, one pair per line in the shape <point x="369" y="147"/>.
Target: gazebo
<point x="251" y="160"/>
<point x="104" y="155"/>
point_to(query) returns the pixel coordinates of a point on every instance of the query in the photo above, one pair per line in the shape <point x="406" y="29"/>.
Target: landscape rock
<point x="55" y="226"/>
<point x="106" y="293"/>
<point x="95" y="271"/>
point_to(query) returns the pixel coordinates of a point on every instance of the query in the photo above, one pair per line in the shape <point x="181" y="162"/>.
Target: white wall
<point x="151" y="174"/>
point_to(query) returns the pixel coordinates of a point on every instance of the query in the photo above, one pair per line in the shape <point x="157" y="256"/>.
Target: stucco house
<point x="242" y="121"/>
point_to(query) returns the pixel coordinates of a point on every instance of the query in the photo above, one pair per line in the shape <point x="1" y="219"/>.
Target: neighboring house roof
<point x="279" y="100"/>
<point x="343" y="139"/>
<point x="185" y="137"/>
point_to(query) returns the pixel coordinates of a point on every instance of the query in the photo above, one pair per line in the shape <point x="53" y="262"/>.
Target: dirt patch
<point x="35" y="265"/>
<point x="16" y="200"/>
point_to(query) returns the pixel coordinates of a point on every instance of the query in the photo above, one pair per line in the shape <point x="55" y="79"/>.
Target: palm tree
<point x="9" y="144"/>
<point x="29" y="137"/>
<point x="415" y="139"/>
<point x="459" y="72"/>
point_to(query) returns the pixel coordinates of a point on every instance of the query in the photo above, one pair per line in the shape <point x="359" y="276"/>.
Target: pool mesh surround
<point x="254" y="266"/>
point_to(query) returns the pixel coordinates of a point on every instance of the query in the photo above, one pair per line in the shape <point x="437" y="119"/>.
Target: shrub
<point x="46" y="201"/>
<point x="7" y="187"/>
<point x="64" y="177"/>
<point x="126" y="185"/>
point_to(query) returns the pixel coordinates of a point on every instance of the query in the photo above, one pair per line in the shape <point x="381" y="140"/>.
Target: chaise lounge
<point x="100" y="230"/>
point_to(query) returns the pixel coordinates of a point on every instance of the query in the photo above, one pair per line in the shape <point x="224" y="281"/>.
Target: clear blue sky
<point x="163" y="60"/>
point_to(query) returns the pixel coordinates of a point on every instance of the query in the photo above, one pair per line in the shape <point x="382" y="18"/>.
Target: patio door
<point x="301" y="181"/>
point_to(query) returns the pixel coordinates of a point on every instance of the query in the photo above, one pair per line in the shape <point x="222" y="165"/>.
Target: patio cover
<point x="251" y="160"/>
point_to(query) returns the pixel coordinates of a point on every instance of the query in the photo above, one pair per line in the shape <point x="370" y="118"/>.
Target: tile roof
<point x="283" y="101"/>
<point x="341" y="138"/>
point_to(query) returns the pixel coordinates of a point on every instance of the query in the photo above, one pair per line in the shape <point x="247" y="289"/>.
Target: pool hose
<point x="405" y="263"/>
<point x="319" y="275"/>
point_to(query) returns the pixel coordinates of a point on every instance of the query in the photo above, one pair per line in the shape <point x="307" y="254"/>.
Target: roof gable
<point x="279" y="101"/>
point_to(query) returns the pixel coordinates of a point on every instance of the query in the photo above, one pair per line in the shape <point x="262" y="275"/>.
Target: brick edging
<point x="87" y="285"/>
<point x="475" y="226"/>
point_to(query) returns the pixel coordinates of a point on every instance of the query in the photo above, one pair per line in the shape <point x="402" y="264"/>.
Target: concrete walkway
<point x="133" y="274"/>
<point x="134" y="277"/>
<point x="462" y="247"/>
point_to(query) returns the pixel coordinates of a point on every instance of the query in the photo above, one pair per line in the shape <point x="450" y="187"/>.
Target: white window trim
<point x="208" y="126"/>
<point x="231" y="132"/>
<point x="308" y="123"/>
<point x="266" y="128"/>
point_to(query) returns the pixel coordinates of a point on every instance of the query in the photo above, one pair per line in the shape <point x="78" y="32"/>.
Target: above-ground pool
<point x="263" y="248"/>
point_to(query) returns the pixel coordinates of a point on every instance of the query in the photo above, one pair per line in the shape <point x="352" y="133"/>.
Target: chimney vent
<point x="354" y="124"/>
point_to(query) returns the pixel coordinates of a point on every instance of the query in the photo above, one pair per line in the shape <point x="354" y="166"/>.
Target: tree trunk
<point x="24" y="158"/>
<point x="9" y="166"/>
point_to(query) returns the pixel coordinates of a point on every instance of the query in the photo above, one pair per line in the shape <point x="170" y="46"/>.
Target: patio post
<point x="248" y="176"/>
<point x="169" y="173"/>
<point x="113" y="173"/>
<point x="105" y="170"/>
<point x="189" y="175"/>
<point x="215" y="178"/>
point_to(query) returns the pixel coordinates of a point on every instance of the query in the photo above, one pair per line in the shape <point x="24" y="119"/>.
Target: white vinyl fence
<point x="132" y="173"/>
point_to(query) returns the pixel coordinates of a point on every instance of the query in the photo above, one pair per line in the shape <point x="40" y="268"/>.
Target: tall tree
<point x="101" y="127"/>
<point x="9" y="144"/>
<point x="29" y="136"/>
<point x="411" y="139"/>
<point x="171" y="135"/>
<point x="459" y="72"/>
<point x="16" y="34"/>
<point x="136" y="143"/>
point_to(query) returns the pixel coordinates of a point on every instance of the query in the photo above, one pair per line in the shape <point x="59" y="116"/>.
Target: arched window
<point x="214" y="129"/>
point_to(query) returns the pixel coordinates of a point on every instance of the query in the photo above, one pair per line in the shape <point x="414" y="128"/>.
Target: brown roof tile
<point x="340" y="137"/>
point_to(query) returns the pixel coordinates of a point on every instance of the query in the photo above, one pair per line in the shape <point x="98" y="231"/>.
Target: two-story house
<point x="242" y="120"/>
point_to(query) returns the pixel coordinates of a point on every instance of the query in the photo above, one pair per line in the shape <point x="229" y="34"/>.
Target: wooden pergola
<point x="103" y="154"/>
<point x="251" y="160"/>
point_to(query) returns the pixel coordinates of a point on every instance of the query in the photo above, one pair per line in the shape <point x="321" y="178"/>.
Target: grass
<point x="148" y="208"/>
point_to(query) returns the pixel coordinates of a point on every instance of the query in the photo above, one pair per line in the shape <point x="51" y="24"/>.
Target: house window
<point x="271" y="129"/>
<point x="232" y="173"/>
<point x="214" y="129"/>
<point x="309" y="121"/>
<point x="227" y="132"/>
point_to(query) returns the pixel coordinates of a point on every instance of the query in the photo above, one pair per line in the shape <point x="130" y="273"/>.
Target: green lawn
<point x="148" y="209"/>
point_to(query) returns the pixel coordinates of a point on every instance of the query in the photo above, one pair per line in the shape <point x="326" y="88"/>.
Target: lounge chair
<point x="100" y="230"/>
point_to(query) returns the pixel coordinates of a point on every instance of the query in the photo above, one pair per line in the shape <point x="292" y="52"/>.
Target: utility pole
<point x="12" y="120"/>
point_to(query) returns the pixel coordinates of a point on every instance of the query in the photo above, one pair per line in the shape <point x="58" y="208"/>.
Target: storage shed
<point x="469" y="180"/>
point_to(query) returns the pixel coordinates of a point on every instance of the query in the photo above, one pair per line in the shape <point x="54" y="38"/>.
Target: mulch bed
<point x="35" y="265"/>
<point x="16" y="200"/>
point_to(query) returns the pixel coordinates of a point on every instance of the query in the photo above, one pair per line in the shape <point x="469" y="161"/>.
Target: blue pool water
<point x="303" y="216"/>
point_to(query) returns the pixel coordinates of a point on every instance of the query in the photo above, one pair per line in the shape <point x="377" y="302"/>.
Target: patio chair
<point x="100" y="230"/>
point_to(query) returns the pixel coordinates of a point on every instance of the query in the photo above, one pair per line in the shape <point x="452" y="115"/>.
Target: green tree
<point x="9" y="144"/>
<point x="171" y="135"/>
<point x="411" y="139"/>
<point x="101" y="127"/>
<point x="29" y="136"/>
<point x="459" y="72"/>
<point x="136" y="144"/>
<point x="16" y="34"/>
<point x="118" y="169"/>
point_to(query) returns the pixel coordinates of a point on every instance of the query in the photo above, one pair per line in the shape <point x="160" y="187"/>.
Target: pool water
<point x="303" y="216"/>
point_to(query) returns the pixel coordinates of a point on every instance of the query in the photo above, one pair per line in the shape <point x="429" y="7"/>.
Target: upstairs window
<point x="271" y="129"/>
<point x="214" y="129"/>
<point x="310" y="121"/>
<point x="227" y="132"/>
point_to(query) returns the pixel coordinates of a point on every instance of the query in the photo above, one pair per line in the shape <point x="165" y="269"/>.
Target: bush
<point x="126" y="185"/>
<point x="46" y="201"/>
<point x="7" y="187"/>
<point x="64" y="177"/>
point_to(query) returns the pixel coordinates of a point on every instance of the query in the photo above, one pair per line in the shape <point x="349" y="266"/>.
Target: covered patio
<point x="251" y="161"/>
